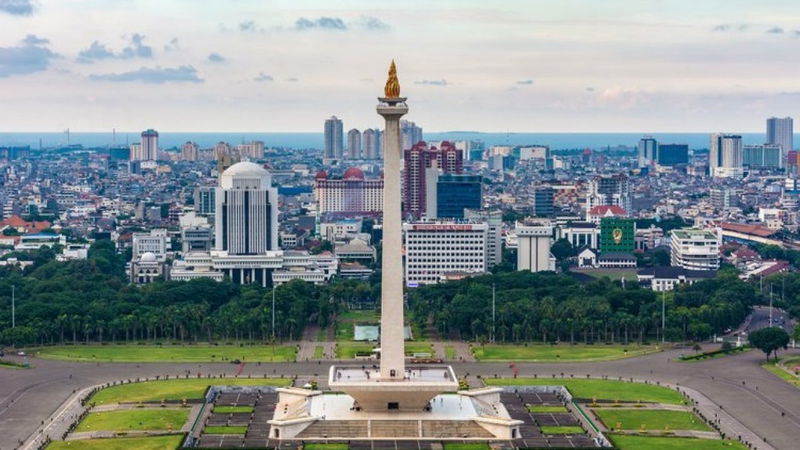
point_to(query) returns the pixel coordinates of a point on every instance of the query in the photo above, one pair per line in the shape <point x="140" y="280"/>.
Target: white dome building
<point x="246" y="220"/>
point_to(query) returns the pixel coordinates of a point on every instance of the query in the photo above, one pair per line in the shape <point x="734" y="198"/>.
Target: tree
<point x="562" y="249"/>
<point x="769" y="340"/>
<point x="796" y="333"/>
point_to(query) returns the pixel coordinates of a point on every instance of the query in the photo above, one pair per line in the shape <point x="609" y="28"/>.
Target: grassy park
<point x="547" y="409"/>
<point x="562" y="352"/>
<point x="652" y="419"/>
<point x="176" y="389"/>
<point x="632" y="442"/>
<point x="233" y="409"/>
<point x="779" y="372"/>
<point x="168" y="353"/>
<point x="569" y="429"/>
<point x="600" y="389"/>
<point x="170" y="442"/>
<point x="349" y="350"/>
<point x="135" y="419"/>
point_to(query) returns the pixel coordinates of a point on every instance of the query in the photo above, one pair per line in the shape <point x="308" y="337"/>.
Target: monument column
<point x="392" y="107"/>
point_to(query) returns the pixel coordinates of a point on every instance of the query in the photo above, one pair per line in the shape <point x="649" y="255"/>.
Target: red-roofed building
<point x="599" y="212"/>
<point x="23" y="226"/>
<point x="352" y="193"/>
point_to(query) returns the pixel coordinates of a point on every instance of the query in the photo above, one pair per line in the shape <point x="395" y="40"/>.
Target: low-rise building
<point x="437" y="248"/>
<point x="695" y="249"/>
<point x="662" y="279"/>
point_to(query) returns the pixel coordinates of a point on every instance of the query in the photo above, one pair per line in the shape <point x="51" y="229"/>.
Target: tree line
<point x="548" y="307"/>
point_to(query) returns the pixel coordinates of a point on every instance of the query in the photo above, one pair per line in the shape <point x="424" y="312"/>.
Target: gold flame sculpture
<point x="392" y="89"/>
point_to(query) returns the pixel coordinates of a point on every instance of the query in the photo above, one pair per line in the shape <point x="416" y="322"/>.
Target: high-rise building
<point x="455" y="193"/>
<point x="246" y="212"/>
<point x="334" y="139"/>
<point x="251" y="150"/>
<point x="149" y="145"/>
<point x="725" y="156"/>
<point x="430" y="255"/>
<point x="724" y="197"/>
<point x="190" y="151"/>
<point x="762" y="156"/>
<point x="543" y="201"/>
<point x="494" y="232"/>
<point x="354" y="144"/>
<point x="136" y="152"/>
<point x="204" y="200"/>
<point x="350" y="193"/>
<point x="647" y="151"/>
<point x="611" y="190"/>
<point x="222" y="150"/>
<point x="780" y="131"/>
<point x="410" y="133"/>
<point x="670" y="155"/>
<point x="533" y="246"/>
<point x="371" y="143"/>
<point x="418" y="159"/>
<point x="694" y="249"/>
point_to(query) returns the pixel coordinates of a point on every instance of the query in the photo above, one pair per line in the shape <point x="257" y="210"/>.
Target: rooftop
<point x="694" y="233"/>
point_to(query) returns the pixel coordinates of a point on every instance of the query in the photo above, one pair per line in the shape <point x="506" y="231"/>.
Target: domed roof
<point x="246" y="168"/>
<point x="321" y="175"/>
<point x="353" y="173"/>
<point x="148" y="257"/>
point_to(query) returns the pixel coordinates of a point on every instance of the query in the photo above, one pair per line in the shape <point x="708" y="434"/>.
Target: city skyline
<point x="522" y="66"/>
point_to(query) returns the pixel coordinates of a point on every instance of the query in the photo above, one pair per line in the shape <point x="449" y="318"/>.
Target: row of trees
<point x="549" y="307"/>
<point x="90" y="300"/>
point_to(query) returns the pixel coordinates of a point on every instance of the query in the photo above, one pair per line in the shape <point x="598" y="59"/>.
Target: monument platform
<point x="412" y="392"/>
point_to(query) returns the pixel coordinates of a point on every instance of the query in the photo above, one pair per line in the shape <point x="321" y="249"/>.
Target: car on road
<point x="21" y="354"/>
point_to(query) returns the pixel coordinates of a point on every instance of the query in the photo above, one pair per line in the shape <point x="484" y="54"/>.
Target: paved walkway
<point x="463" y="352"/>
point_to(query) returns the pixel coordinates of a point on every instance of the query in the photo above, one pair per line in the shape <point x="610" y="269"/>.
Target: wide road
<point x="736" y="383"/>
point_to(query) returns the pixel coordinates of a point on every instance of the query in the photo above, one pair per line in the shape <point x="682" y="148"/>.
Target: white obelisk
<point x="392" y="107"/>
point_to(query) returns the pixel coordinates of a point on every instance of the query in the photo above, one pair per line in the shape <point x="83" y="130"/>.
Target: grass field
<point x="169" y="353"/>
<point x="628" y="442"/>
<point x="546" y="409"/>
<point x="170" y="442"/>
<point x="325" y="447"/>
<point x="346" y="320"/>
<point x="612" y="274"/>
<point x="633" y="419"/>
<point x="12" y="365"/>
<point x="233" y="409"/>
<point x="134" y="419"/>
<point x="573" y="429"/>
<point x="782" y="374"/>
<point x="466" y="446"/>
<point x="449" y="352"/>
<point x="563" y="352"/>
<point x="600" y="389"/>
<point x="349" y="350"/>
<point x="193" y="388"/>
<point x="224" y="430"/>
<point x="319" y="352"/>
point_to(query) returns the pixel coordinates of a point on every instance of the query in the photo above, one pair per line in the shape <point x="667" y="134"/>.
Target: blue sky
<point x="257" y="65"/>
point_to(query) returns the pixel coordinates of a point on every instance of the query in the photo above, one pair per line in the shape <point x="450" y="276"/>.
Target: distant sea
<point x="556" y="141"/>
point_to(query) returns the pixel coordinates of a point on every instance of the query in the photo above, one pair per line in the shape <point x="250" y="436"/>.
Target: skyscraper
<point x="334" y="139"/>
<point x="417" y="160"/>
<point x="780" y="131"/>
<point x="370" y="144"/>
<point x="251" y="150"/>
<point x="647" y="151"/>
<point x="672" y="154"/>
<point x="149" y="145"/>
<point x="246" y="211"/>
<point x="411" y="134"/>
<point x="189" y="151"/>
<point x="611" y="191"/>
<point x="455" y="193"/>
<point x="725" y="155"/>
<point x="763" y="156"/>
<point x="543" y="201"/>
<point x="354" y="144"/>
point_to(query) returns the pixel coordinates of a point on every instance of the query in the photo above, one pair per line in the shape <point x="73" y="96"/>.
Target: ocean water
<point x="556" y="141"/>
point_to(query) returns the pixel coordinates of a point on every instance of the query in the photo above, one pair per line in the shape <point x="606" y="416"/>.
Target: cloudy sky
<point x="259" y="65"/>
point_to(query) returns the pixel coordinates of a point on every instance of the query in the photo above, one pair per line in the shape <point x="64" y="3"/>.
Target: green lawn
<point x="233" y="409"/>
<point x="348" y="350"/>
<point x="360" y="316"/>
<point x="449" y="352"/>
<point x="600" y="389"/>
<point x="612" y="274"/>
<point x="782" y="374"/>
<point x="134" y="419"/>
<point x="325" y="447"/>
<point x="170" y="442"/>
<point x="628" y="442"/>
<point x="562" y="352"/>
<point x="319" y="352"/>
<point x="224" y="430"/>
<point x="633" y="419"/>
<point x="547" y="409"/>
<point x="169" y="353"/>
<point x="466" y="446"/>
<point x="572" y="429"/>
<point x="12" y="365"/>
<point x="192" y="388"/>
